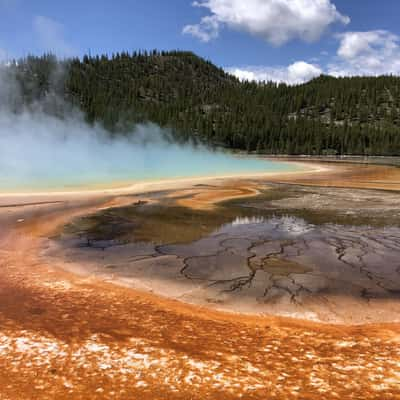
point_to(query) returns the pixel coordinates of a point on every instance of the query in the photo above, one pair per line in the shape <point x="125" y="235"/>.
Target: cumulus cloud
<point x="369" y="53"/>
<point x="296" y="73"/>
<point x="366" y="53"/>
<point x="276" y="21"/>
<point x="301" y="71"/>
<point x="206" y="30"/>
<point x="51" y="36"/>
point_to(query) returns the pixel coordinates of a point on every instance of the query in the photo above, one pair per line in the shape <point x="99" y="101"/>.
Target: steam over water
<point x="39" y="152"/>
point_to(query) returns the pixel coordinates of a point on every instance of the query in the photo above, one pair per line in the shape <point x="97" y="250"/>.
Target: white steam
<point x="39" y="151"/>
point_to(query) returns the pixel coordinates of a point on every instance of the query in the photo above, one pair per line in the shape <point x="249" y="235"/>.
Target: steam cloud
<point x="37" y="150"/>
<point x="41" y="151"/>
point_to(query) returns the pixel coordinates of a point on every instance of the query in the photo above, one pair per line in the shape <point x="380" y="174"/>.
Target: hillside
<point x="196" y="99"/>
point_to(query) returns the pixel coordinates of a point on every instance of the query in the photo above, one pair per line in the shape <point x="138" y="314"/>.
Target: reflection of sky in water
<point x="284" y="227"/>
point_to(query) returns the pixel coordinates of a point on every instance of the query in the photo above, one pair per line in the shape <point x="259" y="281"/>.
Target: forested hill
<point x="196" y="99"/>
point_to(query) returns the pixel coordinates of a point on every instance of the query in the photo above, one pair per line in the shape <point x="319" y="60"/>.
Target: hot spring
<point x="42" y="153"/>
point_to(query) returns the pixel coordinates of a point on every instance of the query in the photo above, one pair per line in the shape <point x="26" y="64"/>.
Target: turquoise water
<point x="122" y="166"/>
<point x="42" y="153"/>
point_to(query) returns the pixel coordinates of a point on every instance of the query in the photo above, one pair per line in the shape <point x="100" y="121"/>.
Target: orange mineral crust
<point x="65" y="336"/>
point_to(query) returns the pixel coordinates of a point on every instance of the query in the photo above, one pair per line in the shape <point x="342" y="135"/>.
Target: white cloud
<point x="206" y="30"/>
<point x="296" y="73"/>
<point x="276" y="21"/>
<point x="301" y="71"/>
<point x="366" y="53"/>
<point x="369" y="53"/>
<point x="51" y="36"/>
<point x="355" y="44"/>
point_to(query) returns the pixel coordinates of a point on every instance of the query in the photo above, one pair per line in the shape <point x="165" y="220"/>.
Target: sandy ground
<point x="64" y="336"/>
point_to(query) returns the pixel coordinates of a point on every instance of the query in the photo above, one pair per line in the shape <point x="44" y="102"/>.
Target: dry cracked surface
<point x="77" y="335"/>
<point x="74" y="338"/>
<point x="254" y="259"/>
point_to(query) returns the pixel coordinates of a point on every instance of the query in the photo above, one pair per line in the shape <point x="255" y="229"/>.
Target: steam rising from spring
<point x="39" y="151"/>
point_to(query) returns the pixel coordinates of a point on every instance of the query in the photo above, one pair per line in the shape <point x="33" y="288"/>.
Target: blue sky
<point x="288" y="40"/>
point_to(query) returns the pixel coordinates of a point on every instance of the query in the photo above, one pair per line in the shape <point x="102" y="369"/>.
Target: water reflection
<point x="247" y="221"/>
<point x="286" y="223"/>
<point x="244" y="258"/>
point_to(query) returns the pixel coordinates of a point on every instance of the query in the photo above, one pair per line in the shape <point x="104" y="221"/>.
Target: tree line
<point x="197" y="100"/>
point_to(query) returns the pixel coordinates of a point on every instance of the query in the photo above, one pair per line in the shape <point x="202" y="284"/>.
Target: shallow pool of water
<point x="133" y="165"/>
